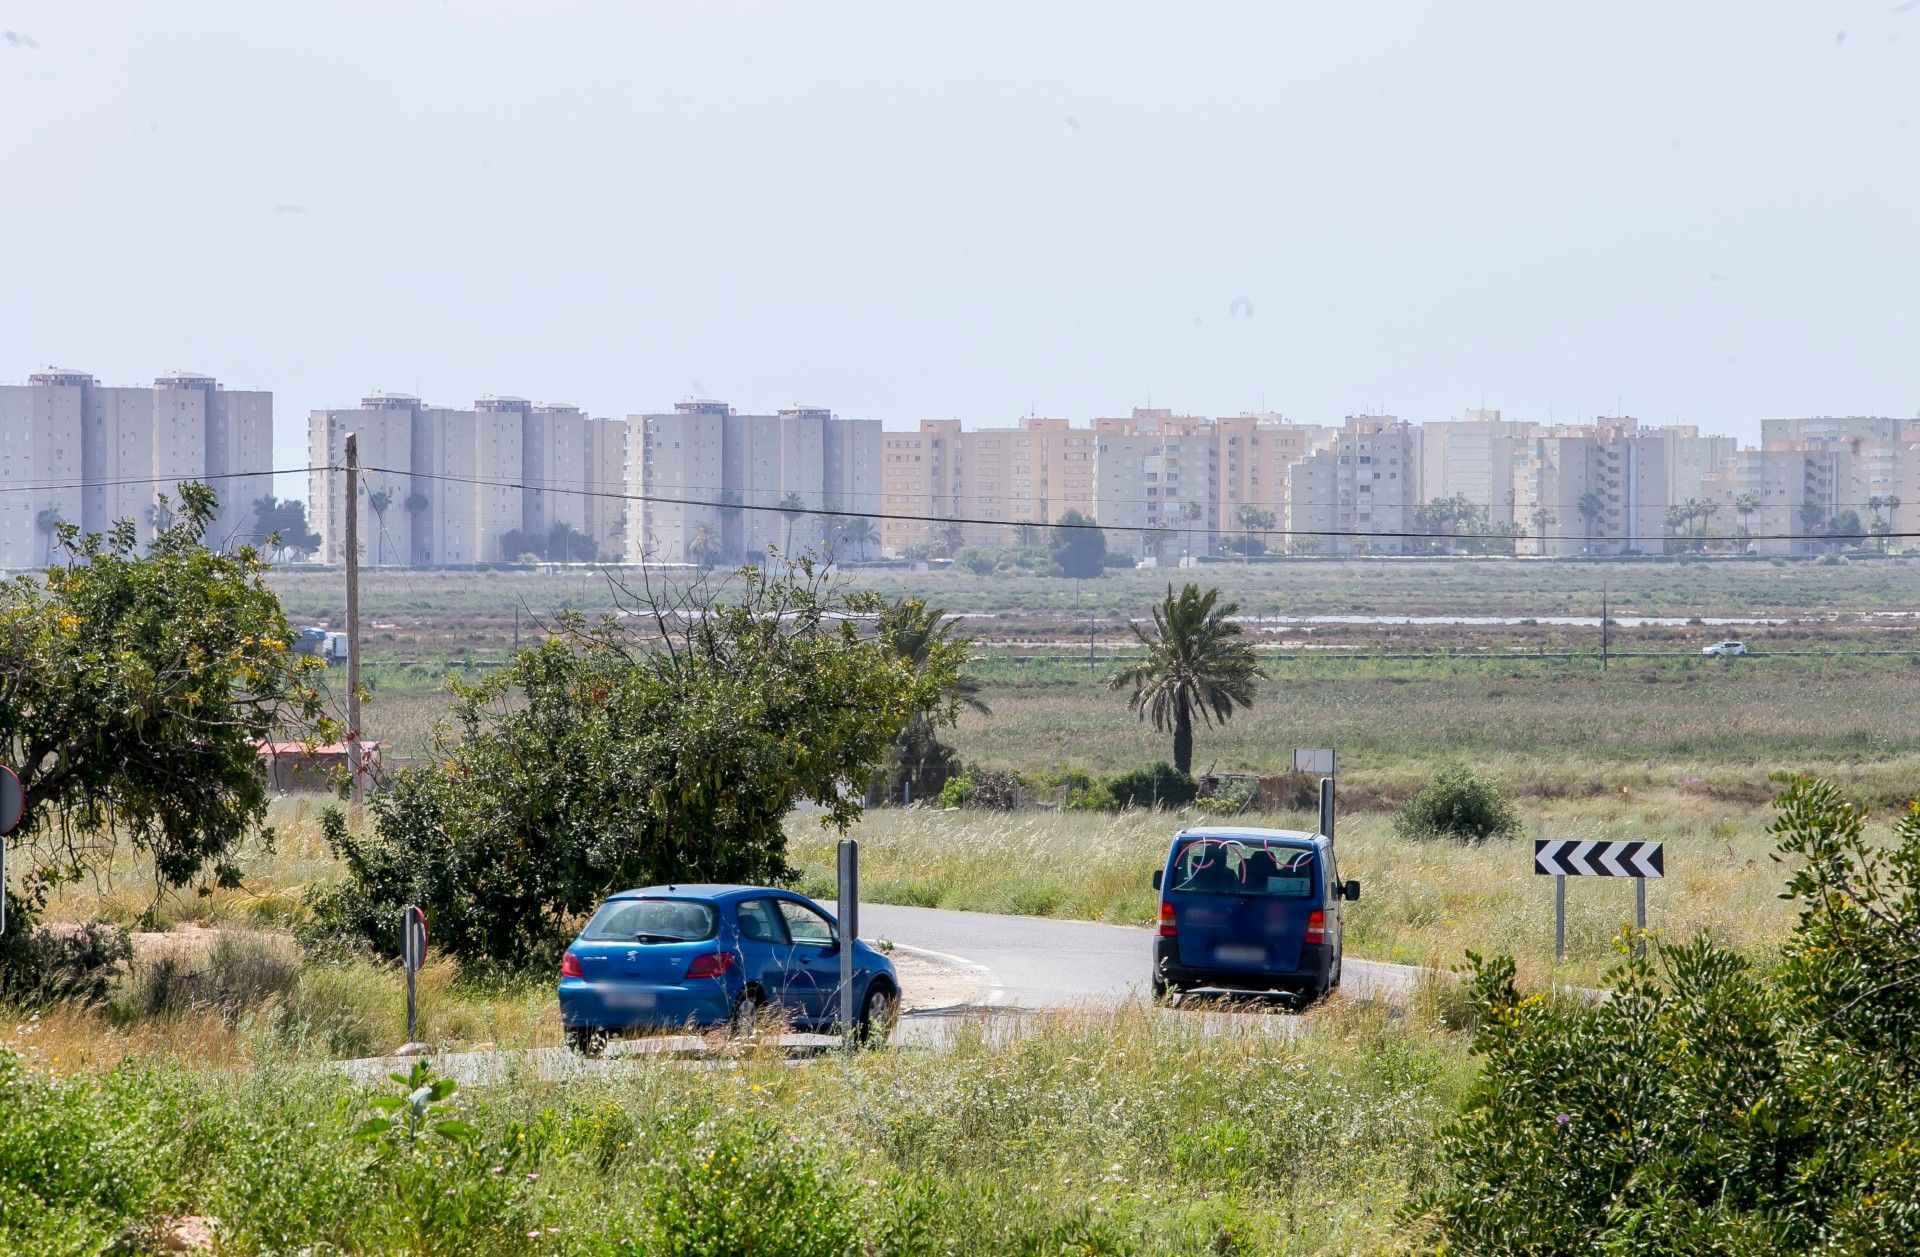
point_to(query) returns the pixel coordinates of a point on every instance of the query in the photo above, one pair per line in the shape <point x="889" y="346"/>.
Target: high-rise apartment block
<point x="101" y="454"/>
<point x="719" y="485"/>
<point x="1357" y="494"/>
<point x="446" y="487"/>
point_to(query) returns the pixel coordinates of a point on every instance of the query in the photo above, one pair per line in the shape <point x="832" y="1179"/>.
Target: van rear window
<point x="1236" y="866"/>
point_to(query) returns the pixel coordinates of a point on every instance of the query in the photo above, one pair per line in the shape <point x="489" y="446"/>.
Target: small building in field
<point x="295" y="767"/>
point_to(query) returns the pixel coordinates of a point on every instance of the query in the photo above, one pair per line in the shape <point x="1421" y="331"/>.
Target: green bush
<point x="1162" y="785"/>
<point x="40" y="964"/>
<point x="993" y="788"/>
<point x="1457" y="804"/>
<point x="1713" y="1102"/>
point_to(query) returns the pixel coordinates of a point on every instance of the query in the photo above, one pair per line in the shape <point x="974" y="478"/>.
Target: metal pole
<point x="1640" y="915"/>
<point x="1560" y="918"/>
<point x="1326" y="807"/>
<point x="849" y="924"/>
<point x="359" y="793"/>
<point x="410" y="1032"/>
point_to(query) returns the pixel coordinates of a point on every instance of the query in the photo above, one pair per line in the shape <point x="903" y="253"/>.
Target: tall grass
<point x="1123" y="1133"/>
<point x="1422" y="902"/>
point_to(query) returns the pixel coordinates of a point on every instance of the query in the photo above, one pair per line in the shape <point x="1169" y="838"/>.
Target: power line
<point x="47" y="486"/>
<point x="1188" y="530"/>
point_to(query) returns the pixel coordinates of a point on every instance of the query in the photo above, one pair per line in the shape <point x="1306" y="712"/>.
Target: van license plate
<point x="1239" y="954"/>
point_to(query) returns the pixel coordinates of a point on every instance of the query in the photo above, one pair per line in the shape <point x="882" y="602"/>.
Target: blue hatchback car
<point x="672" y="956"/>
<point x="1249" y="910"/>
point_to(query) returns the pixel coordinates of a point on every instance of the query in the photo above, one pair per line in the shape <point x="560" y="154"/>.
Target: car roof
<point x="1234" y="831"/>
<point x="702" y="890"/>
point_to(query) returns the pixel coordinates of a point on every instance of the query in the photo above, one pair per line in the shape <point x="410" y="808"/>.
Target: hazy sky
<point x="1708" y="211"/>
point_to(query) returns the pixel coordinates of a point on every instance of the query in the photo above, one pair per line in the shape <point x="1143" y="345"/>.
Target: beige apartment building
<point x="1604" y="487"/>
<point x="723" y="486"/>
<point x="1795" y="488"/>
<point x="443" y="487"/>
<point x="1366" y="482"/>
<point x="983" y="487"/>
<point x="1254" y="453"/>
<point x="1157" y="483"/>
<point x="108" y="453"/>
<point x="1473" y="457"/>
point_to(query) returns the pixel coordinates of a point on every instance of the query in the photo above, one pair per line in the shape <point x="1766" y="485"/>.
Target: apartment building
<point x="722" y="485"/>
<point x="108" y="453"/>
<point x="1366" y="482"/>
<point x="1603" y="488"/>
<point x="1157" y="483"/>
<point x="1474" y="457"/>
<point x="1787" y="490"/>
<point x="446" y="487"/>
<point x="1254" y="452"/>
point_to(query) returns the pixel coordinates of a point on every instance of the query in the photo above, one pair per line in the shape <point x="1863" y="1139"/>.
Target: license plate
<point x="627" y="997"/>
<point x="1239" y="954"/>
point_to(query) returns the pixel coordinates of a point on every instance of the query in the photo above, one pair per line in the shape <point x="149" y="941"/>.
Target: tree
<point x="704" y="546"/>
<point x="1846" y="526"/>
<point x="666" y="745"/>
<point x="793" y="506"/>
<point x="1811" y="518"/>
<point x="1542" y="519"/>
<point x="1589" y="506"/>
<point x="860" y="532"/>
<point x="47" y="521"/>
<point x="1882" y="523"/>
<point x="1198" y="663"/>
<point x="1079" y="546"/>
<point x="282" y="523"/>
<point x="1714" y="1101"/>
<point x="1745" y="504"/>
<point x="132" y="692"/>
<point x="1249" y="516"/>
<point x="923" y="638"/>
<point x="378" y="501"/>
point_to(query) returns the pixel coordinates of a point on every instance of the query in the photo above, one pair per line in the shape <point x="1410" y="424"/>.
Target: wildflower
<point x="1561" y="1119"/>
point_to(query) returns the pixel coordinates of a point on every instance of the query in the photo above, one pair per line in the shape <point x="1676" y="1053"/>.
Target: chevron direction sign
<point x="1569" y="857"/>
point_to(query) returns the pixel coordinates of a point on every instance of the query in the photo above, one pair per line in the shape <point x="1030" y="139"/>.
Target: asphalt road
<point x="1038" y="962"/>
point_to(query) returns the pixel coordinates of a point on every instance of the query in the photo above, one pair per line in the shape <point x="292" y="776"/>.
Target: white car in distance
<point x="1725" y="648"/>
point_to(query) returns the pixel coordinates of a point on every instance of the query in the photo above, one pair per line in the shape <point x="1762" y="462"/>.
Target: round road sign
<point x="13" y="801"/>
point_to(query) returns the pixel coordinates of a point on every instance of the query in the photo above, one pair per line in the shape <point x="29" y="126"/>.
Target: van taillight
<point x="570" y="966"/>
<point x="711" y="965"/>
<point x="1316" y="927"/>
<point x="1166" y="921"/>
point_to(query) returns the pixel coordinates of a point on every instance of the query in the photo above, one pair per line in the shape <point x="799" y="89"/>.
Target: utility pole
<point x="355" y="776"/>
<point x="1605" y="624"/>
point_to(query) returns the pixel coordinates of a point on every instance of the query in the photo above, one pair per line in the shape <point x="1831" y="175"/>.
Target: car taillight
<point x="1166" y="921"/>
<point x="711" y="965"/>
<point x="1316" y="927"/>
<point x="570" y="966"/>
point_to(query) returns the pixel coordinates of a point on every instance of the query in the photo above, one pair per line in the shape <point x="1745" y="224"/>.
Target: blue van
<point x="1249" y="910"/>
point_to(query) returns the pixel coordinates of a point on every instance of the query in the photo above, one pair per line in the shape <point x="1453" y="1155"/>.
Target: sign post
<point x="849" y="925"/>
<point x="413" y="953"/>
<point x="13" y="805"/>
<point x="1561" y="858"/>
<point x="1326" y="807"/>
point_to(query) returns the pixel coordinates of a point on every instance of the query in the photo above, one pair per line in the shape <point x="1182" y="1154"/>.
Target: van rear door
<point x="1242" y="903"/>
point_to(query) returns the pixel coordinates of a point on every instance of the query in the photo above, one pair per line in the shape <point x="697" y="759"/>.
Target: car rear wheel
<point x="586" y="1040"/>
<point x="879" y="1013"/>
<point x="746" y="1014"/>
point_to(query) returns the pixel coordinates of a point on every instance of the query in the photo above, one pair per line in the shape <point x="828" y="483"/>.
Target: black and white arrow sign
<point x="1573" y="857"/>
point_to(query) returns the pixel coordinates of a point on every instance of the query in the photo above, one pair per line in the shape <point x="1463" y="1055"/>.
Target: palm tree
<point x="1249" y="520"/>
<point x="1197" y="662"/>
<point x="704" y="546"/>
<point x="1542" y="518"/>
<point x="1706" y="511"/>
<point x="1882" y="525"/>
<point x="923" y="638"/>
<point x="1745" y="504"/>
<point x="793" y="506"/>
<point x="47" y="520"/>
<point x="862" y="532"/>
<point x="378" y="501"/>
<point x="1589" y="507"/>
<point x="1190" y="513"/>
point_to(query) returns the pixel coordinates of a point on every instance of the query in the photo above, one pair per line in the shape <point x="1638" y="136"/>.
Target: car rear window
<point x="1239" y="866"/>
<point x="650" y="921"/>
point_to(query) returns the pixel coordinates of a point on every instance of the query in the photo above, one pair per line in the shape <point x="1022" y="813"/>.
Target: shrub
<point x="40" y="964"/>
<point x="242" y="973"/>
<point x="1162" y="785"/>
<point x="750" y="1188"/>
<point x="994" y="788"/>
<point x="1457" y="804"/>
<point x="1714" y="1102"/>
